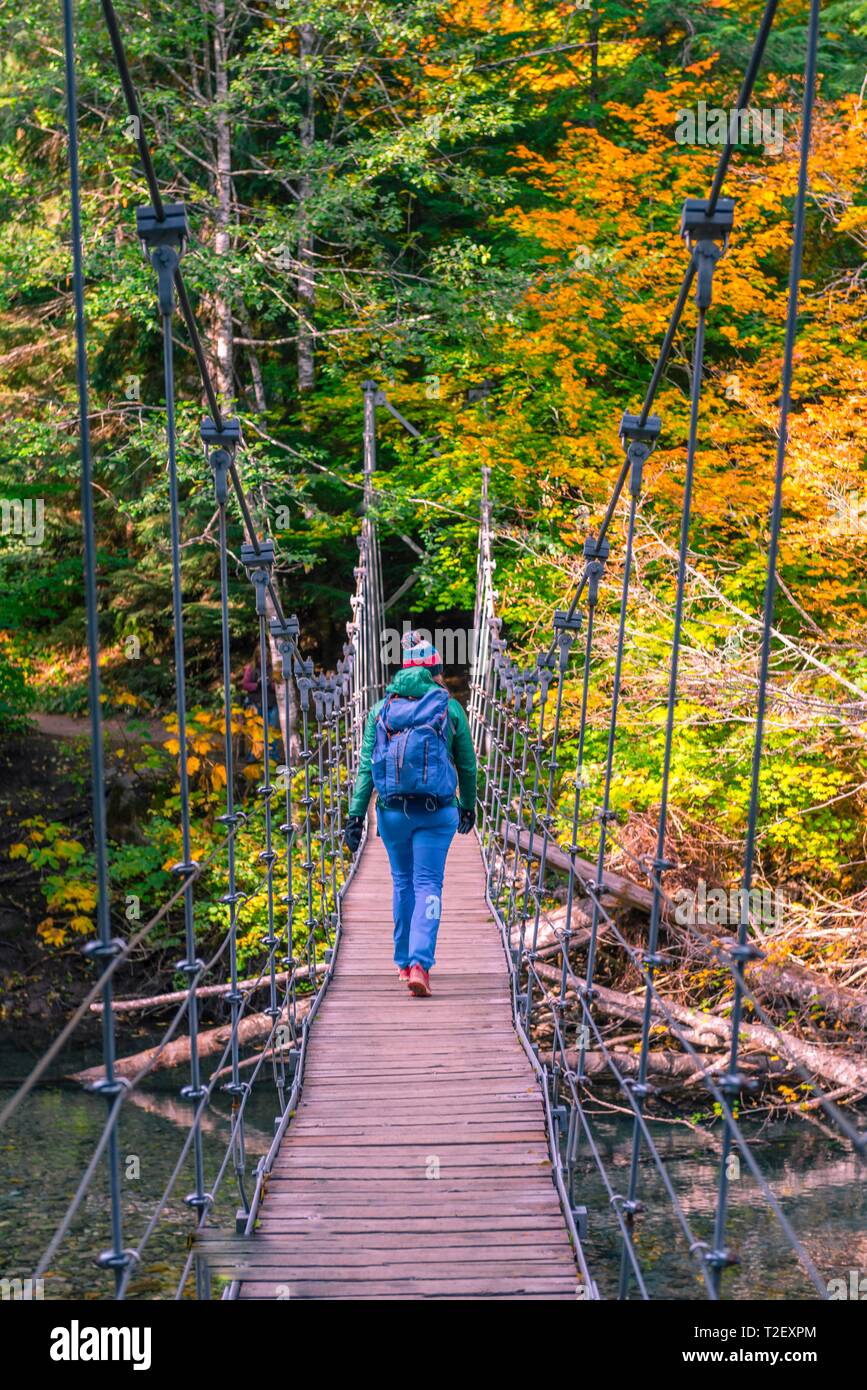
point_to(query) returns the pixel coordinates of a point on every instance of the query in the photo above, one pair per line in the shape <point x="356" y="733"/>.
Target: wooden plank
<point x="361" y="1240"/>
<point x="397" y="1112"/>
<point x="364" y="1266"/>
<point x="367" y="1212"/>
<point x="470" y="1152"/>
<point x="547" y="1286"/>
<point x="385" y="1185"/>
<point x="393" y="1138"/>
<point x="411" y="1202"/>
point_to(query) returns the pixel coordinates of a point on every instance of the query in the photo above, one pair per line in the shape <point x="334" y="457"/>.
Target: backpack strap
<point x="383" y="715"/>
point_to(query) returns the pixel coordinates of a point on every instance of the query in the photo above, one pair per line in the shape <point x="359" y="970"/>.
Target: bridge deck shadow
<point x="417" y="1164"/>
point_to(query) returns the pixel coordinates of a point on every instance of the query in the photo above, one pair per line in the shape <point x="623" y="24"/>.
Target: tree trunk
<point x="176" y="1053"/>
<point x="159" y="1001"/>
<point x="623" y="890"/>
<point x="256" y="377"/>
<point x="221" y="304"/>
<point x="833" y="1068"/>
<point x="773" y="981"/>
<point x="594" y="64"/>
<point x="672" y="1066"/>
<point x="306" y="278"/>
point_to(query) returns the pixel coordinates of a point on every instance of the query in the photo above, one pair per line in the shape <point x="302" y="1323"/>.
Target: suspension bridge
<point x="423" y="1148"/>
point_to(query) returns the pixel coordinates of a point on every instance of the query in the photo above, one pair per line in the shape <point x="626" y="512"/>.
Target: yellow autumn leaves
<point x="205" y="745"/>
<point x="70" y="900"/>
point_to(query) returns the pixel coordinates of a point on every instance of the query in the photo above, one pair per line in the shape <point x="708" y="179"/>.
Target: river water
<point x="818" y="1184"/>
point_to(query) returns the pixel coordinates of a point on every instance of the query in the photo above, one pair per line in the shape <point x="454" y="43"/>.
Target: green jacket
<point x="414" y="681"/>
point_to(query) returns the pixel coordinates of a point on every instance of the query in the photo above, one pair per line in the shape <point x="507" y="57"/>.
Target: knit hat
<point x="419" y="652"/>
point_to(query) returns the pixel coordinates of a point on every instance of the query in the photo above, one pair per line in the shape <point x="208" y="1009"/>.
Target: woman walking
<point x="417" y="752"/>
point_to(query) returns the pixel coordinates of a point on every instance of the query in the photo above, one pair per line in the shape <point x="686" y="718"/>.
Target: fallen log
<point x="821" y="1062"/>
<point x="176" y="1053"/>
<point x="158" y="1001"/>
<point x="793" y="983"/>
<point x="781" y="981"/>
<point x="664" y="1065"/>
<point x="552" y="926"/>
<point x="834" y="1068"/>
<point x="774" y="980"/>
<point x="626" y="892"/>
<point x="700" y="1039"/>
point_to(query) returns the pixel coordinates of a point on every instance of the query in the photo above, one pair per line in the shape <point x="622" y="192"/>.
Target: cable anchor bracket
<point x="706" y="233"/>
<point x="285" y="632"/>
<point x="163" y="242"/>
<point x="258" y="561"/>
<point x="596" y="552"/>
<point x="639" y="440"/>
<point x="220" y="443"/>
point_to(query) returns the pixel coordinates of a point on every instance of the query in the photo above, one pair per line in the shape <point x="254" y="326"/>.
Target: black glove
<point x="467" y="821"/>
<point x="352" y="832"/>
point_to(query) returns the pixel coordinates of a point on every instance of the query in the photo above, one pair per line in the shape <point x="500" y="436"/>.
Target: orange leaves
<point x="50" y="933"/>
<point x="205" y="750"/>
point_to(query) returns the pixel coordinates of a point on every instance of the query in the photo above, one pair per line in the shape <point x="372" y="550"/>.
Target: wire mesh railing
<point x="516" y="716"/>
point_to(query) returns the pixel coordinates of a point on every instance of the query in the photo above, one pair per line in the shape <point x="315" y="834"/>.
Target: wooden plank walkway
<point x="417" y="1164"/>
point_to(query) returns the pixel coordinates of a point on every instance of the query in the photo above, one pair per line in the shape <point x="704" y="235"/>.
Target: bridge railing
<point x="516" y="715"/>
<point x="301" y="801"/>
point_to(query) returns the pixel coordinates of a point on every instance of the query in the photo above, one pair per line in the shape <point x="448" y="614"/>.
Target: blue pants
<point x="417" y="842"/>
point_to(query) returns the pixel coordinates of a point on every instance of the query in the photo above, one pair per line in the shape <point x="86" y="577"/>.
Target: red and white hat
<point x="417" y="651"/>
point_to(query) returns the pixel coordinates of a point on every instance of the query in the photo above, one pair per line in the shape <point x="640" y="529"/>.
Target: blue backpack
<point x="410" y="754"/>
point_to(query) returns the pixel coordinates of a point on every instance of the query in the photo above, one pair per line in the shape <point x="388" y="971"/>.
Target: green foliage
<point x="16" y="696"/>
